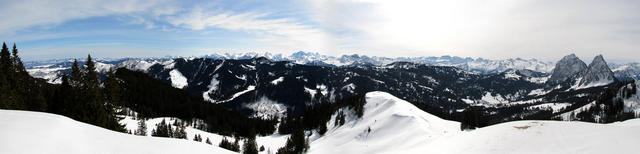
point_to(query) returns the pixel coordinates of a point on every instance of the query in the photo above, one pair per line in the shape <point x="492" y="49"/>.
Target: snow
<point x="169" y="64"/>
<point x="349" y="87"/>
<point x="177" y="79"/>
<point x="250" y="88"/>
<point x="538" y="80"/>
<point x="555" y="107"/>
<point x="541" y="137"/>
<point x="538" y="92"/>
<point x="593" y="84"/>
<point x="490" y="99"/>
<point x="399" y="127"/>
<point x="390" y="120"/>
<point x="37" y="132"/>
<point x="49" y="74"/>
<point x="323" y="89"/>
<point x="512" y="75"/>
<point x="267" y="108"/>
<point x="278" y="80"/>
<point x="569" y="115"/>
<point x="271" y="142"/>
<point x="213" y="86"/>
<point x="311" y="92"/>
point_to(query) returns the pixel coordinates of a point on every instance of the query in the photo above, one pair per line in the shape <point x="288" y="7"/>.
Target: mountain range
<point x="267" y="85"/>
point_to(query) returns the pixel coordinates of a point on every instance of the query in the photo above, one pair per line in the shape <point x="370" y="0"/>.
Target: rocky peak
<point x="597" y="72"/>
<point x="566" y="68"/>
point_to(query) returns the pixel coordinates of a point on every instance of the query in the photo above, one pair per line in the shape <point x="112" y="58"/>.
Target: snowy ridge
<point x="389" y="119"/>
<point x="392" y="122"/>
<point x="36" y="132"/>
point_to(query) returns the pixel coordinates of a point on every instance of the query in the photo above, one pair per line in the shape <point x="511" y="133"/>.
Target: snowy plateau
<point x="388" y="125"/>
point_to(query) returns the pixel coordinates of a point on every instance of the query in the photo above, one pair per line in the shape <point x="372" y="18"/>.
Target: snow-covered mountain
<point x="573" y="70"/>
<point x="597" y="73"/>
<point x="266" y="88"/>
<point x="477" y="65"/>
<point x="628" y="71"/>
<point x="36" y="132"/>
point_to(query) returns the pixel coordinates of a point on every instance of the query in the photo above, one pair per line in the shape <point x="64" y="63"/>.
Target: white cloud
<point x="545" y="29"/>
<point x="21" y="14"/>
<point x="280" y="34"/>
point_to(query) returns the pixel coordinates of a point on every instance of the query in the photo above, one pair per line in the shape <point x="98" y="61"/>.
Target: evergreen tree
<point x="180" y="132"/>
<point x="296" y="143"/>
<point x="6" y="66"/>
<point x="76" y="74"/>
<point x="197" y="137"/>
<point x="236" y="146"/>
<point x="142" y="128"/>
<point x="112" y="89"/>
<point x="230" y="146"/>
<point x="161" y="130"/>
<point x="250" y="146"/>
<point x="6" y="98"/>
<point x="17" y="63"/>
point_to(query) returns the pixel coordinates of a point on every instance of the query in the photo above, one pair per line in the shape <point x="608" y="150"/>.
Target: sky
<point x="494" y="29"/>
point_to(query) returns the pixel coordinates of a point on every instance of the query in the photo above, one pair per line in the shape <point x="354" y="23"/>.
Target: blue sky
<point x="497" y="29"/>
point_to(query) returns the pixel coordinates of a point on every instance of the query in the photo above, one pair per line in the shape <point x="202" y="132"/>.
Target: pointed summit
<point x="566" y="68"/>
<point x="598" y="73"/>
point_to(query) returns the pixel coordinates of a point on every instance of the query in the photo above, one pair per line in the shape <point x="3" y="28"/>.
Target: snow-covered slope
<point x="36" y="132"/>
<point x="541" y="137"/>
<point x="387" y="125"/>
<point x="392" y="125"/>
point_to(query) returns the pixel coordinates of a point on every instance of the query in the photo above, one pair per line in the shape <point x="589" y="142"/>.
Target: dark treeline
<point x="317" y="116"/>
<point x="78" y="97"/>
<point x="609" y="107"/>
<point x="153" y="98"/>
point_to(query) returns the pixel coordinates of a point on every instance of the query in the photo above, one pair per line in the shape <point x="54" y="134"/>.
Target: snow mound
<point x="36" y="132"/>
<point x="386" y="120"/>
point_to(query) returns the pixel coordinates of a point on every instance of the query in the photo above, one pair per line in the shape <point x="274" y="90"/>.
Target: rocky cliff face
<point x="568" y="67"/>
<point x="598" y="72"/>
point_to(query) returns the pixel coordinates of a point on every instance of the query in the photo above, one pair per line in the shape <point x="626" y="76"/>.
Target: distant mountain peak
<point x="568" y="67"/>
<point x="598" y="72"/>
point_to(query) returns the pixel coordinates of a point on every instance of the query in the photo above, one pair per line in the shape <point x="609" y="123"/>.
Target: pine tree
<point x="180" y="132"/>
<point x="250" y="146"/>
<point x="161" y="130"/>
<point x="76" y="74"/>
<point x="236" y="146"/>
<point x="6" y="66"/>
<point x="296" y="143"/>
<point x="7" y="94"/>
<point x="17" y="63"/>
<point x="142" y="128"/>
<point x="112" y="89"/>
<point x="197" y="137"/>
